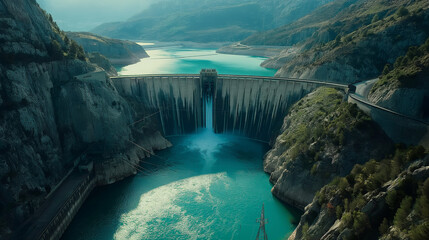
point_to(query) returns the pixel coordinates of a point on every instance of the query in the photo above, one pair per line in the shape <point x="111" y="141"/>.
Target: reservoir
<point x="207" y="186"/>
<point x="189" y="60"/>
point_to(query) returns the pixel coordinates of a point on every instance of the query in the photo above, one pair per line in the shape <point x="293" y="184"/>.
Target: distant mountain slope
<point x="119" y="52"/>
<point x="352" y="41"/>
<point x="208" y="21"/>
<point x="303" y="28"/>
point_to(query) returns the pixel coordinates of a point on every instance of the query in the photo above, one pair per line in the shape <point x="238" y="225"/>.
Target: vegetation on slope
<point x="353" y="42"/>
<point x="51" y="47"/>
<point x="406" y="69"/>
<point x="62" y="47"/>
<point x="208" y="21"/>
<point x="322" y="137"/>
<point x="336" y="20"/>
<point x="388" y="198"/>
<point x="327" y="119"/>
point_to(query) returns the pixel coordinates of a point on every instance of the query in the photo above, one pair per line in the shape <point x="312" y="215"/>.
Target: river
<point x="207" y="186"/>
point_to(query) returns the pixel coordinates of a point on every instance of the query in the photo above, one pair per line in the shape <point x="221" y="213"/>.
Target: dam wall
<point x="176" y="98"/>
<point x="251" y="106"/>
<point x="256" y="106"/>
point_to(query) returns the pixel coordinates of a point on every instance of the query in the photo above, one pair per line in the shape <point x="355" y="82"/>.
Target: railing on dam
<point x="253" y="106"/>
<point x="63" y="217"/>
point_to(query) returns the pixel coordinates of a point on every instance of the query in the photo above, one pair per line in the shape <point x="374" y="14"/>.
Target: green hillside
<point x="208" y="21"/>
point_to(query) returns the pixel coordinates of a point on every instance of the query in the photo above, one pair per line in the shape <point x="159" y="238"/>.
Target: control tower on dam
<point x="251" y="106"/>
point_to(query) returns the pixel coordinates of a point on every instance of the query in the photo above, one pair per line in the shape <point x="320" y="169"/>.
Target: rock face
<point x="408" y="101"/>
<point x="375" y="201"/>
<point x="405" y="88"/>
<point x="119" y="52"/>
<point x="48" y="117"/>
<point x="322" y="137"/>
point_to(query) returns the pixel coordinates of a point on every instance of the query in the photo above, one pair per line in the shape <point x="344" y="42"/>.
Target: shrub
<point x="304" y="231"/>
<point x="402" y="11"/>
<point x="338" y="211"/>
<point x="347" y="219"/>
<point x="416" y="153"/>
<point x="376" y="18"/>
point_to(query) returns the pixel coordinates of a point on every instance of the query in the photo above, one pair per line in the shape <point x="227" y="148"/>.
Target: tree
<point x="339" y="211"/>
<point x="56" y="52"/>
<point x="76" y="51"/>
<point x="384" y="227"/>
<point x="420" y="232"/>
<point x="386" y="69"/>
<point x="360" y="222"/>
<point x="402" y="11"/>
<point x="391" y="199"/>
<point x="400" y="219"/>
<point x="376" y="18"/>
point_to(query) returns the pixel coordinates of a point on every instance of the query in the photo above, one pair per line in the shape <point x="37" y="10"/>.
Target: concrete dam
<point x="251" y="106"/>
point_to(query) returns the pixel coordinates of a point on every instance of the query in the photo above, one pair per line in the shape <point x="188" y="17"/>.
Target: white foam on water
<point x="147" y="221"/>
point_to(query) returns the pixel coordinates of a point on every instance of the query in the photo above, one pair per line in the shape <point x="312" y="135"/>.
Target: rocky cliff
<point x="404" y="87"/>
<point x="119" y="52"/>
<point x="48" y="117"/>
<point x="322" y="137"/>
<point x="386" y="199"/>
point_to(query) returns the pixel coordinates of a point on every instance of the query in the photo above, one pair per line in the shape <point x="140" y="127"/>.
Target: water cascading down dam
<point x="252" y="106"/>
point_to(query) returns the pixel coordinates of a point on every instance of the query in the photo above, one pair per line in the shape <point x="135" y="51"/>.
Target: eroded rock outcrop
<point x="322" y="137"/>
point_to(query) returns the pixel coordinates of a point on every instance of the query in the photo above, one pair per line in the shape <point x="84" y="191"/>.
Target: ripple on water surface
<point x="206" y="186"/>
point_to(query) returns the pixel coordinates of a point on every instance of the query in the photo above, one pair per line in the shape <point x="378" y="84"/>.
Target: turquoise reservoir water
<point x="207" y="186"/>
<point x="187" y="60"/>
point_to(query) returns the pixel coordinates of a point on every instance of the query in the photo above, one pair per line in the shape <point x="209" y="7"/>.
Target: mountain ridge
<point x="224" y="21"/>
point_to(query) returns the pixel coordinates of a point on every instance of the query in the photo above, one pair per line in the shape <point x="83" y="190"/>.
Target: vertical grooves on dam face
<point x="178" y="99"/>
<point x="254" y="107"/>
<point x="250" y="106"/>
